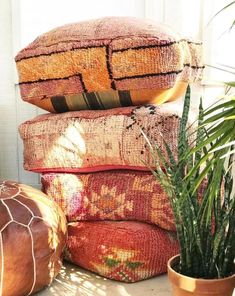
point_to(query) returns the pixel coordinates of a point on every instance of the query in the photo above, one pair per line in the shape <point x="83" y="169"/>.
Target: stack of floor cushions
<point x="94" y="163"/>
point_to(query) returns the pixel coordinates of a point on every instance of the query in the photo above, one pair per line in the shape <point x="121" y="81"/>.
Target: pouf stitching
<point x="32" y="243"/>
<point x="5" y="189"/>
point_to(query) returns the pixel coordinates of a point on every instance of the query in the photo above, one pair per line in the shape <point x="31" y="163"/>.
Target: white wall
<point x="8" y="124"/>
<point x="21" y="21"/>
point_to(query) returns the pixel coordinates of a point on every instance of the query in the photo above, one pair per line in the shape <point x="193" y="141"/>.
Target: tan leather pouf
<point x="32" y="238"/>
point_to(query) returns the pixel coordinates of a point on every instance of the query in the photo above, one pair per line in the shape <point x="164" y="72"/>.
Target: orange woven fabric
<point x="112" y="195"/>
<point x="108" y="54"/>
<point x="123" y="251"/>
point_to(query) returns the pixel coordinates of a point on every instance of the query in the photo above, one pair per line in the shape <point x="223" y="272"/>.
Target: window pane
<point x="219" y="39"/>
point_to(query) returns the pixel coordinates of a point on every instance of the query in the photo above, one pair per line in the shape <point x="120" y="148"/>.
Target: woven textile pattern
<point x="123" y="251"/>
<point x="116" y="53"/>
<point x="86" y="141"/>
<point x="112" y="195"/>
<point x="110" y="99"/>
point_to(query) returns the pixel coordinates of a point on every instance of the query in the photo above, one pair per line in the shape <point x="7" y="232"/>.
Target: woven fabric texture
<point x="110" y="99"/>
<point x="113" y="195"/>
<point x="123" y="251"/>
<point x="114" y="53"/>
<point x="87" y="141"/>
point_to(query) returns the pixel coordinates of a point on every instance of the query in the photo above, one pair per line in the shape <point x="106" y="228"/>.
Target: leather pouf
<point x="124" y="251"/>
<point x="32" y="238"/>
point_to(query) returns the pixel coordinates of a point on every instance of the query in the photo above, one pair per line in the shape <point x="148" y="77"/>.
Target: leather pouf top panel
<point x="88" y="141"/>
<point x="123" y="251"/>
<point x="32" y="238"/>
<point x="108" y="54"/>
<point x="112" y="195"/>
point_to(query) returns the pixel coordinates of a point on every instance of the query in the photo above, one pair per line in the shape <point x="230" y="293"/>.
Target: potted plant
<point x="199" y="184"/>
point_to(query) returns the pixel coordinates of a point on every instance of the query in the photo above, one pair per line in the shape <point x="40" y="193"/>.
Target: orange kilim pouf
<point x="123" y="251"/>
<point x="106" y="63"/>
<point x="32" y="237"/>
<point x="110" y="195"/>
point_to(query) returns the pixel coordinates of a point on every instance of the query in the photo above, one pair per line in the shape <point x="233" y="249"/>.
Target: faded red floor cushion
<point x="106" y="63"/>
<point x="123" y="251"/>
<point x="32" y="238"/>
<point x="111" y="195"/>
<point x="88" y="141"/>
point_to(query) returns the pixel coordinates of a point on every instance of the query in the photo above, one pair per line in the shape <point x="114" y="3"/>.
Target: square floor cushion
<point x="123" y="251"/>
<point x="110" y="195"/>
<point x="88" y="141"/>
<point x="105" y="63"/>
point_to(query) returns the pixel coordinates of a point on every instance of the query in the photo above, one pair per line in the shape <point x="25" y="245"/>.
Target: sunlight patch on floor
<point x="75" y="281"/>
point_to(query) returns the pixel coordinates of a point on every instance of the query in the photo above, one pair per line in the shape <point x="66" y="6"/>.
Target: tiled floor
<point x="74" y="281"/>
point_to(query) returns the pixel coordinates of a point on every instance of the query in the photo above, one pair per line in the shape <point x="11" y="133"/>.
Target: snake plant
<point x="199" y="184"/>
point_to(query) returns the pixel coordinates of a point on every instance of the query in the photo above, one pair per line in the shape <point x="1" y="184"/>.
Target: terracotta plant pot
<point x="186" y="286"/>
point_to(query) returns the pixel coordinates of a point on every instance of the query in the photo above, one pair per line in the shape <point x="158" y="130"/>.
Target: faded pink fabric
<point x="100" y="31"/>
<point x="89" y="140"/>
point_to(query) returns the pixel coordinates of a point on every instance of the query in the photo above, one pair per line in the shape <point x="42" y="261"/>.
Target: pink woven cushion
<point x="88" y="141"/>
<point x="112" y="195"/>
<point x="109" y="54"/>
<point x="123" y="251"/>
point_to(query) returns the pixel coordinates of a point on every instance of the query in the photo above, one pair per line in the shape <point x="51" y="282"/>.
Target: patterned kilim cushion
<point x="105" y="63"/>
<point x="123" y="251"/>
<point x="112" y="195"/>
<point x="86" y="141"/>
